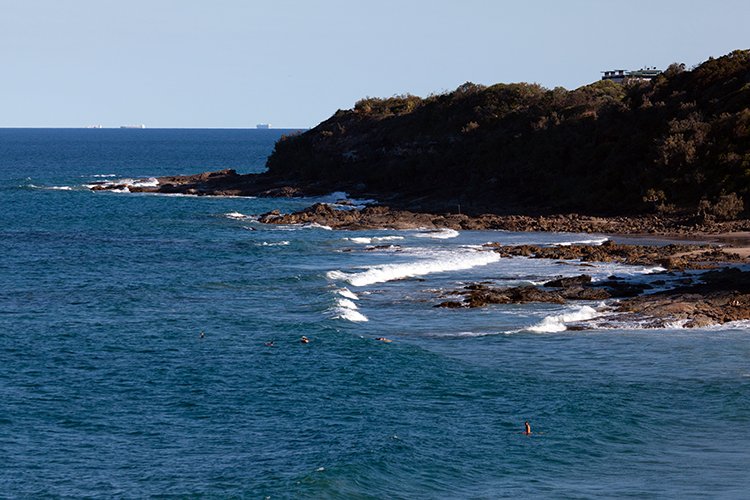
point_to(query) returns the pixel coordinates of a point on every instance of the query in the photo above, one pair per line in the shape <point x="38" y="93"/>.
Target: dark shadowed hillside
<point x="679" y="143"/>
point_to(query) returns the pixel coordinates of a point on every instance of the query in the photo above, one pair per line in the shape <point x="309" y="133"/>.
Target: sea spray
<point x="557" y="323"/>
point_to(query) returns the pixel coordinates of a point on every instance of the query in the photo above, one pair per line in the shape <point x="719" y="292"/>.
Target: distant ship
<point x="133" y="126"/>
<point x="263" y="125"/>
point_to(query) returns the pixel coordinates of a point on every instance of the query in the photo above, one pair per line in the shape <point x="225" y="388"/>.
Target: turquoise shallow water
<point x="108" y="390"/>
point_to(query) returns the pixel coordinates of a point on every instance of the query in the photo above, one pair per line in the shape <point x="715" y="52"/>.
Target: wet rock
<point x="585" y="293"/>
<point x="478" y="295"/>
<point x="583" y="279"/>
<point x="720" y="297"/>
<point x="450" y="304"/>
<point x="620" y="289"/>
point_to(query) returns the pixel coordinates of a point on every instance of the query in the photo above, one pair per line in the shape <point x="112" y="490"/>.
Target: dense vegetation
<point x="678" y="143"/>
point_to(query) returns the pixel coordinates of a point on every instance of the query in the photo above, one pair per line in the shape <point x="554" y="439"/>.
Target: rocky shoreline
<point x="381" y="217"/>
<point x="713" y="297"/>
<point x="674" y="297"/>
<point x="229" y="183"/>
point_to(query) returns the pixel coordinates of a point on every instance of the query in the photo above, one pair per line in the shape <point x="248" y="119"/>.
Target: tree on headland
<point x="670" y="144"/>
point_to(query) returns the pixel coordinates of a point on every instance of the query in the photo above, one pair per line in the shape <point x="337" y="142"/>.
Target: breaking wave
<point x="365" y="240"/>
<point x="341" y="200"/>
<point x="315" y="225"/>
<point x="442" y="262"/>
<point x="345" y="292"/>
<point x="592" y="241"/>
<point x="438" y="234"/>
<point x="557" y="323"/>
<point x="346" y="309"/>
<point x="235" y="216"/>
<point x="273" y="243"/>
<point x="51" y="188"/>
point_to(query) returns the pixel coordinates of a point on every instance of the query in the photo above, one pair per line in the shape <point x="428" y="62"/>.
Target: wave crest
<point x="453" y="261"/>
<point x="557" y="323"/>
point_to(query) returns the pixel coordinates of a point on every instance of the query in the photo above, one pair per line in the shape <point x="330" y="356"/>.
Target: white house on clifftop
<point x="641" y="75"/>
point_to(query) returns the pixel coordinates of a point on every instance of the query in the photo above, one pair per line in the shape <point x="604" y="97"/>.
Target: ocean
<point x="135" y="335"/>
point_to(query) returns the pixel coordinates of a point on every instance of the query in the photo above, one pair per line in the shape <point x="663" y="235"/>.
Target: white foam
<point x="334" y="197"/>
<point x="651" y="270"/>
<point x="341" y="200"/>
<point x="104" y="175"/>
<point x="743" y="325"/>
<point x="235" y="216"/>
<point x="439" y="234"/>
<point x="592" y="241"/>
<point x="349" y="315"/>
<point x="315" y="225"/>
<point x="472" y="334"/>
<point x="346" y="303"/>
<point x="366" y="240"/>
<point x="52" y="188"/>
<point x="144" y="182"/>
<point x="346" y="309"/>
<point x="273" y="243"/>
<point x="345" y="292"/>
<point x="149" y="182"/>
<point x="676" y="325"/>
<point x="556" y="323"/>
<point x="188" y="195"/>
<point x="440" y="262"/>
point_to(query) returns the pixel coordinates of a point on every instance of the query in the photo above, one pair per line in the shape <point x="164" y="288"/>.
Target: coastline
<point x="345" y="214"/>
<point x="679" y="245"/>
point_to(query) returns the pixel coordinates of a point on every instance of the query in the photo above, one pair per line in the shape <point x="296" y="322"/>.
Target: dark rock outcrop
<point x="219" y="183"/>
<point x="713" y="297"/>
<point x="720" y="297"/>
<point x="583" y="279"/>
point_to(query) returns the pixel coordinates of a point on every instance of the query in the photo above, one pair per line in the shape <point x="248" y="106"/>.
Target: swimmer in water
<point x="304" y="340"/>
<point x="202" y="335"/>
<point x="526" y="428"/>
<point x="269" y="344"/>
<point x="383" y="339"/>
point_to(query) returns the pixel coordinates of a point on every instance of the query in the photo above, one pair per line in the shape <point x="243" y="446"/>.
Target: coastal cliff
<point x="677" y="144"/>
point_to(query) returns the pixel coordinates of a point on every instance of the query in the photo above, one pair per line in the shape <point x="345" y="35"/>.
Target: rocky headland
<point x="675" y="148"/>
<point x="668" y="157"/>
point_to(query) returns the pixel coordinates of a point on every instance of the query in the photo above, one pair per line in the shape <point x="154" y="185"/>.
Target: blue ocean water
<point x="108" y="388"/>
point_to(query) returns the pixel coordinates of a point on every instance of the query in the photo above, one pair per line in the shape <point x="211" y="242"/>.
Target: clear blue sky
<point x="234" y="63"/>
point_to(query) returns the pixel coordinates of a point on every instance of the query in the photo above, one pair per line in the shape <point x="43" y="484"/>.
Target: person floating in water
<point x="202" y="335"/>
<point x="383" y="339"/>
<point x="526" y="428"/>
<point x="304" y="340"/>
<point x="269" y="344"/>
